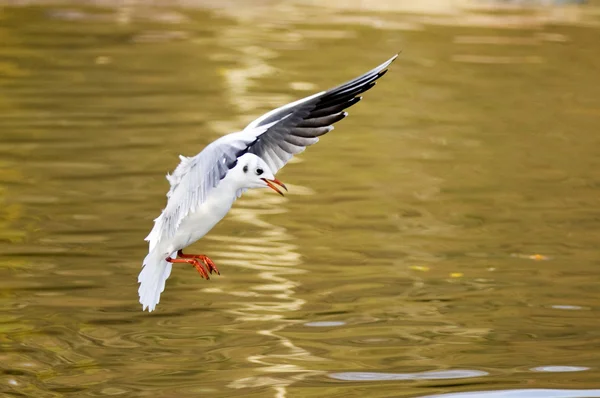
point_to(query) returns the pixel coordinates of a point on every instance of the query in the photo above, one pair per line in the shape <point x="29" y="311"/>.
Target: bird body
<point x="205" y="186"/>
<point x="193" y="226"/>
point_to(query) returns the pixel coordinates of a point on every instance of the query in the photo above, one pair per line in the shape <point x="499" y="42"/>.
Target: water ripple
<point x="325" y="324"/>
<point x="431" y="375"/>
<point x="560" y="369"/>
<point x="522" y="393"/>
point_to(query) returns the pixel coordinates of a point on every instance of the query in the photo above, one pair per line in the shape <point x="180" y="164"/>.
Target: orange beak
<point x="271" y="184"/>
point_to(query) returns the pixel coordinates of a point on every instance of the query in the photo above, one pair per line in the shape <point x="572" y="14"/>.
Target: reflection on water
<point x="433" y="375"/>
<point x="325" y="324"/>
<point x="529" y="393"/>
<point x="442" y="241"/>
<point x="269" y="252"/>
<point x="560" y="368"/>
<point x="274" y="259"/>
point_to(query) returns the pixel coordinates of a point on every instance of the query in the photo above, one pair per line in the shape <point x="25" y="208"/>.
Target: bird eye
<point x="259" y="171"/>
<point x="245" y="169"/>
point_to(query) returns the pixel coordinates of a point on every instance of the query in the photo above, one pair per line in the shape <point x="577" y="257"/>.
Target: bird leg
<point x="205" y="260"/>
<point x="191" y="261"/>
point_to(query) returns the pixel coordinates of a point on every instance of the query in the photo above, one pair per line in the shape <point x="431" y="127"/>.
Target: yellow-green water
<point x="443" y="239"/>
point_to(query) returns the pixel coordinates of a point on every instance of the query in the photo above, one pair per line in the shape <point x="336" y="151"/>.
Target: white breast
<point x="202" y="220"/>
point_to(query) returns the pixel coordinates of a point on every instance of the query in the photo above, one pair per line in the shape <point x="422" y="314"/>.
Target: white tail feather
<point x="152" y="278"/>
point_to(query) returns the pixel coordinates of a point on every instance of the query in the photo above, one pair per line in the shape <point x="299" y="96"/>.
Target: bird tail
<point x="155" y="272"/>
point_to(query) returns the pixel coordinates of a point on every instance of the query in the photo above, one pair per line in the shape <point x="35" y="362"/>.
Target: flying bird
<point x="204" y="187"/>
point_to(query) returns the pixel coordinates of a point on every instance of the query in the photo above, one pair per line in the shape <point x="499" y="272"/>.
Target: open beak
<point x="271" y="184"/>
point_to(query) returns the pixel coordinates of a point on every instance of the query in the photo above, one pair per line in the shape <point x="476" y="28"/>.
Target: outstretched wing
<point x="275" y="137"/>
<point x="299" y="124"/>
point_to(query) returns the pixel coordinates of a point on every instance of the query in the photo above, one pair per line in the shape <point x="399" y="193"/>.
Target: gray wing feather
<point x="299" y="124"/>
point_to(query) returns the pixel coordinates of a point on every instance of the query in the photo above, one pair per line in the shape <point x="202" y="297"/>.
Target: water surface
<point x="442" y="240"/>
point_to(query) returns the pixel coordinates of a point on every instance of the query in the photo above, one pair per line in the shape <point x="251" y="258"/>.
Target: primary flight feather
<point x="204" y="187"/>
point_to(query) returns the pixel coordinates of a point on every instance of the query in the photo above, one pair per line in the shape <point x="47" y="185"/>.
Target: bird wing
<point x="275" y="137"/>
<point x="195" y="177"/>
<point x="297" y="125"/>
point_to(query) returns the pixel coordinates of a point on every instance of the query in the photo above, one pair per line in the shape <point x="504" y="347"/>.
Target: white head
<point x="252" y="172"/>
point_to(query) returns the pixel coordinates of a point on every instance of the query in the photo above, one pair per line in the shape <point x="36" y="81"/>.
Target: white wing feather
<point x="195" y="177"/>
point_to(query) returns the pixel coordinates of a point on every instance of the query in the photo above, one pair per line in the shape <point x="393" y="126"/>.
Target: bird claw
<point x="199" y="260"/>
<point x="200" y="269"/>
<point x="210" y="265"/>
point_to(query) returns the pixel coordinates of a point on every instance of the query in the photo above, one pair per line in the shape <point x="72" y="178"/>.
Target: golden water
<point x="443" y="239"/>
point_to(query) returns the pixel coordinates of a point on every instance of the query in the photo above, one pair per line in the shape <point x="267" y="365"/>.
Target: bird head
<point x="255" y="173"/>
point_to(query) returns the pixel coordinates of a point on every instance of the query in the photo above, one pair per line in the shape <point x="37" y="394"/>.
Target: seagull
<point x="204" y="187"/>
